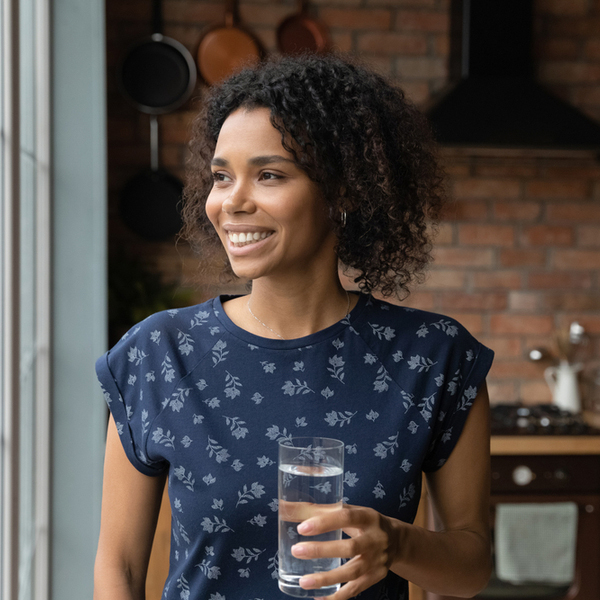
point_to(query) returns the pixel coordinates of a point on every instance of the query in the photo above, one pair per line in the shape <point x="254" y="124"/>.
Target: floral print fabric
<point x="196" y="396"/>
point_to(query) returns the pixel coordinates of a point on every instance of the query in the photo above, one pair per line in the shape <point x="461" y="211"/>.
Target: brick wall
<point x="518" y="252"/>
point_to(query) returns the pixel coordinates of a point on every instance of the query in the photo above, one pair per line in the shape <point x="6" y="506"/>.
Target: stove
<point x="538" y="419"/>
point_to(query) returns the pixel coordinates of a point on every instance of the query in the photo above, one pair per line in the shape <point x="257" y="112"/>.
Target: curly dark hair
<point x="366" y="146"/>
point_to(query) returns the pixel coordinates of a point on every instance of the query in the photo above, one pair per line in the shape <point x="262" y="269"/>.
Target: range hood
<point x="493" y="99"/>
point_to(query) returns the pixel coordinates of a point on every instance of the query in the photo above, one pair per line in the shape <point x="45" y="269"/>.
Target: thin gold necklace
<point x="273" y="331"/>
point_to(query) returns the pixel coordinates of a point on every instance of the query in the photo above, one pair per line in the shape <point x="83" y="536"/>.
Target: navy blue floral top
<point x="196" y="396"/>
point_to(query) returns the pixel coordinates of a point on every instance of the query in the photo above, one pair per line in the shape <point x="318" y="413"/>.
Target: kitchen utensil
<point x="150" y="201"/>
<point x="158" y="73"/>
<point x="301" y="33"/>
<point x="225" y="49"/>
<point x="564" y="385"/>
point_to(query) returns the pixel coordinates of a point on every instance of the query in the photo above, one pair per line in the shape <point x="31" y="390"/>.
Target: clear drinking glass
<point x="311" y="475"/>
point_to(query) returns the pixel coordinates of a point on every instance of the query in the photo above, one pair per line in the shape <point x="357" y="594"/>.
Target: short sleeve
<point x="129" y="379"/>
<point x="466" y="369"/>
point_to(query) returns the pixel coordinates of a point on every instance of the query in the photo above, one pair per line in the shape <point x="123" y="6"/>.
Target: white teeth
<point x="248" y="238"/>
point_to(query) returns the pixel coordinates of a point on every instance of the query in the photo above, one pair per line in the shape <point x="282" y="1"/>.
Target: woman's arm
<point x="454" y="561"/>
<point x="130" y="507"/>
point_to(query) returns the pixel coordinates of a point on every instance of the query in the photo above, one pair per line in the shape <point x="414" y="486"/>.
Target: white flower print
<point x="256" y="491"/>
<point x="214" y="449"/>
<point x="178" y="398"/>
<point x="186" y="441"/>
<point x="274" y="505"/>
<point x="145" y="423"/>
<point x="232" y="384"/>
<point x="257" y="398"/>
<point x="236" y="465"/>
<point x="337" y="368"/>
<point x="412" y="427"/>
<point x="217" y="596"/>
<point x="405" y="466"/>
<point x="219" y="353"/>
<point x="301" y="422"/>
<point x="264" y="461"/>
<point x="351" y="448"/>
<point x="274" y="565"/>
<point x="381" y="381"/>
<point x="212" y="402"/>
<point x="299" y="365"/>
<point x="172" y="312"/>
<point x="209" y="479"/>
<point x="252" y="347"/>
<point x="198" y="419"/>
<point x="422" y="331"/>
<point x="150" y="376"/>
<point x="372" y="415"/>
<point x="334" y="418"/>
<point x="421" y="363"/>
<point x="217" y="504"/>
<point x="337" y="344"/>
<point x="398" y="356"/>
<point x="267" y="366"/>
<point x="408" y="401"/>
<point x="378" y="491"/>
<point x="214" y="330"/>
<point x="274" y="434"/>
<point x="470" y="355"/>
<point x="327" y="393"/>
<point x="389" y="445"/>
<point x="407" y="495"/>
<point x="200" y="318"/>
<point x="216" y="524"/>
<point x="129" y="411"/>
<point x="235" y="426"/>
<point x="187" y="480"/>
<point x="382" y="332"/>
<point x="467" y="399"/>
<point x="166" y="439"/>
<point x="439" y="380"/>
<point x="324" y="487"/>
<point x="119" y="427"/>
<point x="209" y="551"/>
<point x="182" y="585"/>
<point x="350" y="479"/>
<point x="136" y="356"/>
<point x="186" y="342"/>
<point x="132" y="379"/>
<point x="300" y="387"/>
<point x="446" y="327"/>
<point x="370" y="359"/>
<point x="447" y="435"/>
<point x="258" y="520"/>
<point x="247" y="554"/>
<point x="177" y="505"/>
<point x="244" y="572"/>
<point x="201" y="384"/>
<point x="167" y="371"/>
<point x="292" y="533"/>
<point x="210" y="572"/>
<point x="426" y="406"/>
<point x="155" y="336"/>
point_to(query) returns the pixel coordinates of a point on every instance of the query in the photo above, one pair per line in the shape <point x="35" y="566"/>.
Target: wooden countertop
<point x="545" y="444"/>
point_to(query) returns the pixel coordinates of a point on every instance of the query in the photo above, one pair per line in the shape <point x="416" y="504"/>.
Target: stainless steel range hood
<point x="493" y="99"/>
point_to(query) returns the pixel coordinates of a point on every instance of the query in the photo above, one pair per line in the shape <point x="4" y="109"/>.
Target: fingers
<point x="342" y="517"/>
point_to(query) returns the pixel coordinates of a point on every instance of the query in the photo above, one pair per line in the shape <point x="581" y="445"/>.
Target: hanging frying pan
<point x="158" y="73"/>
<point x="225" y="49"/>
<point x="301" y="33"/>
<point x="150" y="201"/>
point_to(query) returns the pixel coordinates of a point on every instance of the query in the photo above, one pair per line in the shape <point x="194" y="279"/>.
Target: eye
<point x="220" y="177"/>
<point x="268" y="175"/>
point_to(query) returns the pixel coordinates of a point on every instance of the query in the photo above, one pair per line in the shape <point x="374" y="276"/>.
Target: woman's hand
<point x="372" y="547"/>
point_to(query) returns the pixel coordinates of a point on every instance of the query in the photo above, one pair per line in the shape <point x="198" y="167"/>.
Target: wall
<point x="518" y="253"/>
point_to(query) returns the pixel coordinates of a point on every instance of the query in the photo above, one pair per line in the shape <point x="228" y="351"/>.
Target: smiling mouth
<point x="244" y="239"/>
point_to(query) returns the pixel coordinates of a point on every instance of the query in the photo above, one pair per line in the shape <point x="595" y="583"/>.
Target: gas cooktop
<point x="538" y="419"/>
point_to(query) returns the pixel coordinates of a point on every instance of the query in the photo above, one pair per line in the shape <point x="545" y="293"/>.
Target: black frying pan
<point x="157" y="75"/>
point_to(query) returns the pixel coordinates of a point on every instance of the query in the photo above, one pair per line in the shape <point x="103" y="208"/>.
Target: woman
<point x="298" y="166"/>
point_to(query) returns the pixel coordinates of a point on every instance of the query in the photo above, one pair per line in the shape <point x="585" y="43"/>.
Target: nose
<point x="239" y="200"/>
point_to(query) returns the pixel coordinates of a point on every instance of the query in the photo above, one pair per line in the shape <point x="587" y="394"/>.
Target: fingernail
<point x="298" y="550"/>
<point x="304" y="527"/>
<point x="307" y="582"/>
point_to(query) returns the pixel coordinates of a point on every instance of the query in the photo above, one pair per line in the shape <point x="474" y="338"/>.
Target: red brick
<point x="497" y="279"/>
<point x="466" y="210"/>
<point x="534" y="392"/>
<point x="442" y="45"/>
<point x="585" y="212"/>
<point x="462" y="257"/>
<point x="445" y="279"/>
<point x="569" y="72"/>
<point x="421" y="20"/>
<point x="559" y="280"/>
<point x="421" y="300"/>
<point x="589" y="236"/>
<point x="521" y="324"/>
<point x="592" y="49"/>
<point x="571" y="301"/>
<point x="417" y="91"/>
<point x="563" y="7"/>
<point x="577" y="259"/>
<point x="572" y="169"/>
<point x="486" y="235"/>
<point x="504" y="346"/>
<point x="557" y="188"/>
<point x="558" y="48"/>
<point x="356" y="18"/>
<point x="342" y="41"/>
<point x="456" y="167"/>
<point x="261" y="14"/>
<point x="389" y="43"/>
<point x="522" y="258"/>
<point x="547" y="235"/>
<point x="517" y="211"/>
<point x="379" y="63"/>
<point x="502" y="392"/>
<point x="573" y="27"/>
<point x="472" y="301"/>
<point x="192" y="11"/>
<point x="591" y="323"/>
<point x="514" y="369"/>
<point x="421" y="67"/>
<point x="487" y="188"/>
<point x="522" y="302"/>
<point x="506" y="168"/>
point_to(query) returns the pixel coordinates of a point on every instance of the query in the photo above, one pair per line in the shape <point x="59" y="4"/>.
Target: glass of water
<point x="311" y="475"/>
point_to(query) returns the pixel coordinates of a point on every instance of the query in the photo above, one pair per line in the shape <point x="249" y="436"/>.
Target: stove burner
<point x="538" y="419"/>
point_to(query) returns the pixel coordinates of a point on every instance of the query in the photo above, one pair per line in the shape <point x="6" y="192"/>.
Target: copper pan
<point x="301" y="33"/>
<point x="225" y="49"/>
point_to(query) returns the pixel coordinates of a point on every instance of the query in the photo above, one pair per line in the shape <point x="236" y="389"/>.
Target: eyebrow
<point x="256" y="161"/>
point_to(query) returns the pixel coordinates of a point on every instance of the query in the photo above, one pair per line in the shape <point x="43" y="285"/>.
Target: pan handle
<point x="231" y="13"/>
<point x="154" y="143"/>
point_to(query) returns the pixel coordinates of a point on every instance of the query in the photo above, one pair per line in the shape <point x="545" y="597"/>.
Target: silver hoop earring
<point x="344" y="217"/>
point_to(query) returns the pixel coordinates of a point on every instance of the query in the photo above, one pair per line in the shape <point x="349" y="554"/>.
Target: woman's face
<point x="269" y="214"/>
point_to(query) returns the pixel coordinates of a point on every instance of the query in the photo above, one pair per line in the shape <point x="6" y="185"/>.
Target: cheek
<point x="212" y="209"/>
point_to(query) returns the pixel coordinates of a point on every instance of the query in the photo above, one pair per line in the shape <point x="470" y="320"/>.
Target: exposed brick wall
<point x="518" y="252"/>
